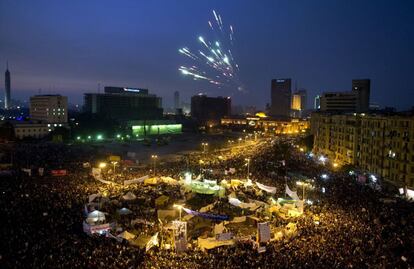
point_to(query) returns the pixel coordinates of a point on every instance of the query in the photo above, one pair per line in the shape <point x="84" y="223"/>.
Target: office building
<point x="206" y="109"/>
<point x="356" y="100"/>
<point x="382" y="145"/>
<point x="317" y="102"/>
<point x="7" y="82"/>
<point x="176" y="100"/>
<point x="49" y="109"/>
<point x="281" y="98"/>
<point x="124" y="104"/>
<point x="363" y="89"/>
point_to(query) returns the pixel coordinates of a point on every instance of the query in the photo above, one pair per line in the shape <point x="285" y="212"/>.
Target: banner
<point x="263" y="230"/>
<point x="224" y="236"/>
<point x="292" y="194"/>
<point x="41" y="171"/>
<point x="268" y="189"/>
<point x="136" y="180"/>
<point x="238" y="203"/>
<point x="152" y="242"/>
<point x="211" y="242"/>
<point x="59" y="173"/>
<point x="205" y="215"/>
<point x="28" y="171"/>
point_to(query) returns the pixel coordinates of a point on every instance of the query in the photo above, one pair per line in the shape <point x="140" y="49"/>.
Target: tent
<point x="124" y="211"/>
<point x="129" y="196"/>
<point x="94" y="196"/>
<point x="211" y="242"/>
<point x="126" y="235"/>
<point x="151" y="181"/>
<point x="95" y="216"/>
<point x="162" y="200"/>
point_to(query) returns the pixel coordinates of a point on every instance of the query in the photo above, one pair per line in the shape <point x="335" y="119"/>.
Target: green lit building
<point x="154" y="127"/>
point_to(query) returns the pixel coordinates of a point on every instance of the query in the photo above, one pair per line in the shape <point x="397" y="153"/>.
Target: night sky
<point x="69" y="47"/>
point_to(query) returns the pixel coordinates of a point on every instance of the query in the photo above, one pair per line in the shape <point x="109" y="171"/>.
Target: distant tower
<point x="176" y="100"/>
<point x="7" y="102"/>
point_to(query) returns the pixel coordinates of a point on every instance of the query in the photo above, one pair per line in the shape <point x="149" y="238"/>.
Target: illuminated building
<point x="281" y="98"/>
<point x="379" y="144"/>
<point x="49" y="109"/>
<point x="147" y="128"/>
<point x="206" y="109"/>
<point x="124" y="104"/>
<point x="266" y="124"/>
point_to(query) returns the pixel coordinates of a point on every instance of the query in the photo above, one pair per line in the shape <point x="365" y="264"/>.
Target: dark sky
<point x="69" y="47"/>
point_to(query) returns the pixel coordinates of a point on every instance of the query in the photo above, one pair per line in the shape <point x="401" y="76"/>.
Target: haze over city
<point x="70" y="47"/>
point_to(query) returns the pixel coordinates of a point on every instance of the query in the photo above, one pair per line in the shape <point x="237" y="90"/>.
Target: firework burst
<point x="213" y="61"/>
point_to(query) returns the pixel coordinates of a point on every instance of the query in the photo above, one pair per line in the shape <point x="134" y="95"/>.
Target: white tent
<point x="95" y="216"/>
<point x="124" y="211"/>
<point x="126" y="235"/>
<point x="129" y="196"/>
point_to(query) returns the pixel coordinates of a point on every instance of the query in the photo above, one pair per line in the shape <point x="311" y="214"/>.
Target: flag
<point x="292" y="194"/>
<point x="266" y="188"/>
<point x="152" y="242"/>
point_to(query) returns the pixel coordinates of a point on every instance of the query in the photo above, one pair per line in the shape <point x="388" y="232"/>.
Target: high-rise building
<point x="281" y="97"/>
<point x="205" y="109"/>
<point x="303" y="98"/>
<point x="363" y="88"/>
<point x="7" y="97"/>
<point x="378" y="144"/>
<point x="356" y="100"/>
<point x="124" y="104"/>
<point x="317" y="102"/>
<point x="49" y="108"/>
<point x="176" y="100"/>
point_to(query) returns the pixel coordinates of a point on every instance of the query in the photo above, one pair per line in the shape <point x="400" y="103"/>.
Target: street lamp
<point x="204" y="146"/>
<point x="114" y="163"/>
<point x="303" y="184"/>
<point x="179" y="207"/>
<point x="154" y="158"/>
<point x="248" y="167"/>
<point x="240" y="140"/>
<point x="201" y="162"/>
<point x="102" y="165"/>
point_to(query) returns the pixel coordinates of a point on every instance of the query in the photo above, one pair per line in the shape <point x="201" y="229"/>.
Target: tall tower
<point x="7" y="101"/>
<point x="281" y="94"/>
<point x="176" y="100"/>
<point x="363" y="88"/>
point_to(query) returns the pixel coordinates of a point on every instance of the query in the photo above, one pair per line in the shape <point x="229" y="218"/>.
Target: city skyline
<point x="71" y="48"/>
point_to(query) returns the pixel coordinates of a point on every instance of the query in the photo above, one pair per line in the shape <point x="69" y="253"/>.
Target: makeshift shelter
<point x="126" y="235"/>
<point x="211" y="242"/>
<point x="124" y="211"/>
<point x="95" y="216"/>
<point x="161" y="201"/>
<point x="151" y="181"/>
<point x="129" y="196"/>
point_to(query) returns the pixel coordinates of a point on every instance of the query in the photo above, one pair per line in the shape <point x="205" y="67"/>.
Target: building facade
<point x="379" y="144"/>
<point x="206" y="109"/>
<point x="49" y="109"/>
<point x="356" y="100"/>
<point x="121" y="103"/>
<point x="267" y="124"/>
<point x="7" y="88"/>
<point x="281" y="97"/>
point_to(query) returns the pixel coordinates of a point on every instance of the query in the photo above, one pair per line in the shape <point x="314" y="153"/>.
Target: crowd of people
<point x="43" y="215"/>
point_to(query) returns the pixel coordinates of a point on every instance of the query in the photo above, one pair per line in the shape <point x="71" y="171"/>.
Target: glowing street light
<point x="179" y="207"/>
<point x="204" y="146"/>
<point x="248" y="167"/>
<point x="102" y="165"/>
<point x="154" y="158"/>
<point x="114" y="163"/>
<point x="303" y="184"/>
<point x="99" y="137"/>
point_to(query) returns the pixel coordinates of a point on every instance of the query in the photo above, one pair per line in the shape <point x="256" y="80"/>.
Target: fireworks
<point x="214" y="61"/>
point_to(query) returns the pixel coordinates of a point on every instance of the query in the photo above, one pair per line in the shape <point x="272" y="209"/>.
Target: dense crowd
<point x="42" y="215"/>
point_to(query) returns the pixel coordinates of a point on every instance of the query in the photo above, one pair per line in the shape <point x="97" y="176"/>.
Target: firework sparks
<point x="214" y="62"/>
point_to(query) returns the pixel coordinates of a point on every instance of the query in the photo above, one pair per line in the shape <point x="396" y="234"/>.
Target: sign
<point x="180" y="235"/>
<point x="58" y="173"/>
<point x="114" y="158"/>
<point x="263" y="230"/>
<point x="261" y="249"/>
<point x="224" y="236"/>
